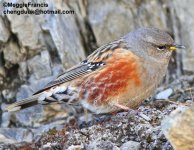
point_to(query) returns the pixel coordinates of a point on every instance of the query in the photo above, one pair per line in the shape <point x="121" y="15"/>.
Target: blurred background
<point x="34" y="49"/>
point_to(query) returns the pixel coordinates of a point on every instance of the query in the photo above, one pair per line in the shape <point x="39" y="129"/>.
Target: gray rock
<point x="23" y="70"/>
<point x="75" y="147"/>
<point x="102" y="145"/>
<point x="8" y="95"/>
<point x="5" y="33"/>
<point x="5" y="119"/>
<point x="130" y="145"/>
<point x="179" y="128"/>
<point x="65" y="35"/>
<point x="24" y="92"/>
<point x="27" y="28"/>
<point x="36" y="85"/>
<point x="12" y="54"/>
<point x="40" y="66"/>
<point x="57" y="125"/>
<point x="164" y="94"/>
<point x="108" y="22"/>
<point x="145" y="17"/>
<point x="112" y="19"/>
<point x="15" y="135"/>
<point x="34" y="116"/>
<point x="183" y="13"/>
<point x="30" y="116"/>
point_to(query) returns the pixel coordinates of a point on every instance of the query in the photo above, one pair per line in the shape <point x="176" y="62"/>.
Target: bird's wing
<point x="93" y="62"/>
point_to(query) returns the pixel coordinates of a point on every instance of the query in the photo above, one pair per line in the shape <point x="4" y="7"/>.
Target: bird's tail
<point x="25" y="103"/>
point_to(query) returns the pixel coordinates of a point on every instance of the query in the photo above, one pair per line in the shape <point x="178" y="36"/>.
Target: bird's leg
<point x="129" y="110"/>
<point x="86" y="115"/>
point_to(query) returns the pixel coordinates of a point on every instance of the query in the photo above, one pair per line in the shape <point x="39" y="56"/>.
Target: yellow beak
<point x="175" y="46"/>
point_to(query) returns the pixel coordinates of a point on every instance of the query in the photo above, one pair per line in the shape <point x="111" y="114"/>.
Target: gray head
<point x="151" y="42"/>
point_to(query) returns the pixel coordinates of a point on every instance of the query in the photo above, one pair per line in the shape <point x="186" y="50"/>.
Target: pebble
<point x="164" y="94"/>
<point x="130" y="145"/>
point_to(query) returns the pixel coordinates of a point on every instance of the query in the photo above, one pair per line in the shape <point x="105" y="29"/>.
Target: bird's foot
<point x="127" y="109"/>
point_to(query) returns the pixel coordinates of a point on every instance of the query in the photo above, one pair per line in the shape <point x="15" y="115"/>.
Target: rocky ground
<point x="124" y="130"/>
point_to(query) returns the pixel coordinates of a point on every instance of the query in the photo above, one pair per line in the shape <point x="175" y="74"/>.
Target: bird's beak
<point x="175" y="46"/>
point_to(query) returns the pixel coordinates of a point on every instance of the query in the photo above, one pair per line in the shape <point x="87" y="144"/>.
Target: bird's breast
<point x="112" y="81"/>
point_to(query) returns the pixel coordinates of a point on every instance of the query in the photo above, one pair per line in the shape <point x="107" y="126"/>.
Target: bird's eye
<point x="161" y="48"/>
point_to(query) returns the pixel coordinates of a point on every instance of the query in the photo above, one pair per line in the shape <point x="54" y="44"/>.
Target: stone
<point x="23" y="70"/>
<point x="8" y="95"/>
<point x="164" y="94"/>
<point x="15" y="135"/>
<point x="40" y="66"/>
<point x="145" y="17"/>
<point x="75" y="147"/>
<point x="130" y="145"/>
<point x="30" y="116"/>
<point x="113" y="22"/>
<point x="65" y="35"/>
<point x="110" y="22"/>
<point x="12" y="54"/>
<point x="179" y="128"/>
<point x="6" y="118"/>
<point x="102" y="145"/>
<point x="5" y="33"/>
<point x="183" y="13"/>
<point x="5" y="140"/>
<point x="34" y="116"/>
<point x="27" y="29"/>
<point x="24" y="92"/>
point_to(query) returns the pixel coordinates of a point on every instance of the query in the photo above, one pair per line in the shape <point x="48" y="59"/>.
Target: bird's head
<point x="152" y="43"/>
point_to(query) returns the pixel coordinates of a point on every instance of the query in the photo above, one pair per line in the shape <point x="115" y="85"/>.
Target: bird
<point x="117" y="76"/>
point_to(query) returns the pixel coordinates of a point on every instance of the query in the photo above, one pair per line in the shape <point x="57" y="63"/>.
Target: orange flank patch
<point x="112" y="80"/>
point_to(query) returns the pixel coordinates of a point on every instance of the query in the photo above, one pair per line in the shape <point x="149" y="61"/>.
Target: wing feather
<point x="73" y="73"/>
<point x="94" y="61"/>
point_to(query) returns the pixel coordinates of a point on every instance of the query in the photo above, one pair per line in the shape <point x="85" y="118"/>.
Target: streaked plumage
<point x="118" y="75"/>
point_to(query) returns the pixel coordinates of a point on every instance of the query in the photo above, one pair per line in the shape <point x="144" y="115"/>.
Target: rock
<point x="27" y="29"/>
<point x="65" y="35"/>
<point x="30" y="116"/>
<point x="5" y="33"/>
<point x="23" y="70"/>
<point x="179" y="128"/>
<point x="75" y="147"/>
<point x="5" y="119"/>
<point x="185" y="33"/>
<point x="8" y="95"/>
<point x="110" y="22"/>
<point x="145" y="17"/>
<point x="130" y="145"/>
<point x="15" y="135"/>
<point x="102" y="145"/>
<point x="116" y="18"/>
<point x="12" y="54"/>
<point x="5" y="140"/>
<point x="36" y="115"/>
<point x="24" y="92"/>
<point x="120" y="129"/>
<point x="164" y="94"/>
<point x="40" y="66"/>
